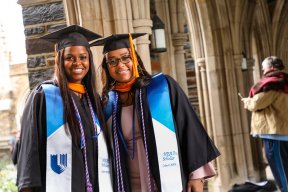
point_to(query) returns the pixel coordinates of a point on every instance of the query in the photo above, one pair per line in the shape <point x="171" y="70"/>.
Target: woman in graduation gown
<point x="158" y="142"/>
<point x="62" y="146"/>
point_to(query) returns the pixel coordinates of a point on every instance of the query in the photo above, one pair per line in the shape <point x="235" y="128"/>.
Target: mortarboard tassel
<point x="133" y="56"/>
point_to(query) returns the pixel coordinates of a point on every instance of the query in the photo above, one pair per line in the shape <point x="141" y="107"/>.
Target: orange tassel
<point x="133" y="56"/>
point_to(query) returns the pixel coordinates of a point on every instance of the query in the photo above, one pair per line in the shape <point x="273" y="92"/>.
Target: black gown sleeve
<point x="196" y="147"/>
<point x="31" y="163"/>
<point x="15" y="152"/>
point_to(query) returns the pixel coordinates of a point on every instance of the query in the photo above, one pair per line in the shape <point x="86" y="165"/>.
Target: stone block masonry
<point x="40" y="19"/>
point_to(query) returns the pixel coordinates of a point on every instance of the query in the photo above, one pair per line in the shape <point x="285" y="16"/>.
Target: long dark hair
<point x="108" y="81"/>
<point x="89" y="82"/>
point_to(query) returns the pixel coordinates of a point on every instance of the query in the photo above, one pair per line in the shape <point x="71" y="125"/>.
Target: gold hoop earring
<point x="140" y="70"/>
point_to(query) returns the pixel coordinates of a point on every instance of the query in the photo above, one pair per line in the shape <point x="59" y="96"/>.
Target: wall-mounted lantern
<point x="244" y="62"/>
<point x="158" y="40"/>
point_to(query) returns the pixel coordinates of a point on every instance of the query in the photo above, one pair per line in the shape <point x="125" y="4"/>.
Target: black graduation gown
<point x="194" y="145"/>
<point x="31" y="167"/>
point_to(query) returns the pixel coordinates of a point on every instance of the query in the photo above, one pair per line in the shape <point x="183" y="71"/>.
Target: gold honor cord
<point x="133" y="56"/>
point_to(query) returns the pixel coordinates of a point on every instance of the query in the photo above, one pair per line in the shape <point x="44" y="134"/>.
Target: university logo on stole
<point x="58" y="165"/>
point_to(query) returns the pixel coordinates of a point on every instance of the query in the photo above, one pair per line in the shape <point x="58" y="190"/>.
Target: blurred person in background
<point x="268" y="102"/>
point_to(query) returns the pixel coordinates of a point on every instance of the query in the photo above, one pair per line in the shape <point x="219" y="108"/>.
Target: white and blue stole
<point x="165" y="135"/>
<point x="164" y="130"/>
<point x="59" y="148"/>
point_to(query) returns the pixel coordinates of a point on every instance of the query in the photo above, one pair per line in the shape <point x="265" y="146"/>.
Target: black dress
<point x="31" y="166"/>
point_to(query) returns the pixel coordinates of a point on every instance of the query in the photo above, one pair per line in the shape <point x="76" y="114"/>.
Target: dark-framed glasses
<point x="113" y="62"/>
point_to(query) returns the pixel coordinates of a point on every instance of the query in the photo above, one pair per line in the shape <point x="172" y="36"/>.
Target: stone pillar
<point x="251" y="72"/>
<point x="143" y="26"/>
<point x="142" y="23"/>
<point x="166" y="59"/>
<point x="179" y="40"/>
<point x="243" y="116"/>
<point x="207" y="112"/>
<point x="200" y="93"/>
<point x="71" y="12"/>
<point x="76" y="13"/>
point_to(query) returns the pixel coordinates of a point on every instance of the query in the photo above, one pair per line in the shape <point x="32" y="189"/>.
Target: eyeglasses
<point x="113" y="62"/>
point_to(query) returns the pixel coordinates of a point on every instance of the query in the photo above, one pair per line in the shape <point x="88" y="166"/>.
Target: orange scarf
<point x="124" y="87"/>
<point x="77" y="87"/>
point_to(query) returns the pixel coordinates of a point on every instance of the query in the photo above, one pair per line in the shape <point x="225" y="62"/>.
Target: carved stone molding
<point x="179" y="40"/>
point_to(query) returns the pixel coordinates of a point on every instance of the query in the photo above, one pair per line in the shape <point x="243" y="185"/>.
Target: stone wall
<point x="41" y="17"/>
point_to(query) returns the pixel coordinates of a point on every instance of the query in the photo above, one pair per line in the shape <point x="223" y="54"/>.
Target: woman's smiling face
<point x="76" y="63"/>
<point x="119" y="64"/>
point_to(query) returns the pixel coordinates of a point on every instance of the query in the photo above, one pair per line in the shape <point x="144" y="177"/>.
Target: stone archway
<point x="221" y="32"/>
<point x="218" y="34"/>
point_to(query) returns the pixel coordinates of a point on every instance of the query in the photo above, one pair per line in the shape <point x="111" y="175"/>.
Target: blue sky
<point x="11" y="19"/>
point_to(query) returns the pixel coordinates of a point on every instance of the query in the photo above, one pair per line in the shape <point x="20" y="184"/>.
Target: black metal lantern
<point x="158" y="40"/>
<point x="244" y="62"/>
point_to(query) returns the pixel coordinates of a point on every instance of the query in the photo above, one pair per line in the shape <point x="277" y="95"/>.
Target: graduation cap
<point x="73" y="35"/>
<point x="116" y="41"/>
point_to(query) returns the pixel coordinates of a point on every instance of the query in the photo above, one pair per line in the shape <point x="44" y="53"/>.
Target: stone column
<point x="198" y="64"/>
<point x="207" y="112"/>
<point x="243" y="116"/>
<point x="166" y="59"/>
<point x="179" y="40"/>
<point x="143" y="26"/>
<point x="142" y="23"/>
<point x="71" y="12"/>
<point x="251" y="71"/>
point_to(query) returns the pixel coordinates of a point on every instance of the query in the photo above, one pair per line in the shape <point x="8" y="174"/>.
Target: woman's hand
<point x="246" y="102"/>
<point x="195" y="185"/>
